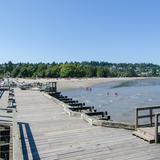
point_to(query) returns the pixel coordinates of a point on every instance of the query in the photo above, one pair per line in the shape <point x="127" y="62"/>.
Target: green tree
<point x="23" y="73"/>
<point x="40" y="71"/>
<point x="103" y="72"/>
<point x="79" y="71"/>
<point x="90" y="71"/>
<point x="67" y="70"/>
<point x="15" y="72"/>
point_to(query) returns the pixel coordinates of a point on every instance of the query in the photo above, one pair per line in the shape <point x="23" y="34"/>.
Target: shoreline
<point x="75" y="83"/>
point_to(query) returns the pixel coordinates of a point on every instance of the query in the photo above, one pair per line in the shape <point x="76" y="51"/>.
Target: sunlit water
<point x="121" y="107"/>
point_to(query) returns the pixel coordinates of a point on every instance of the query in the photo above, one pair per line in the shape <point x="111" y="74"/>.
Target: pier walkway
<point x="48" y="133"/>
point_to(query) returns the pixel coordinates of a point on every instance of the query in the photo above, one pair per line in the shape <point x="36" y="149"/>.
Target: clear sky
<point x="80" y="30"/>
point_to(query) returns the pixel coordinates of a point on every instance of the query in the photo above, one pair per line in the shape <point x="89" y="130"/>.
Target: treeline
<point x="79" y="69"/>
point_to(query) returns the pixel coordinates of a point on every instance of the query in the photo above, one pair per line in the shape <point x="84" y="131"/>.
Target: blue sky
<point x="80" y="30"/>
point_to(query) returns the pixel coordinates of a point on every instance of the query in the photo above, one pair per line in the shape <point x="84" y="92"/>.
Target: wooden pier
<point x="48" y="133"/>
<point x="148" y="130"/>
<point x="9" y="130"/>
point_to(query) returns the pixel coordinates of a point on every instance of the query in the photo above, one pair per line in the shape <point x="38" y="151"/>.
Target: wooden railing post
<point x="136" y="119"/>
<point x="156" y="128"/>
<point x="150" y="110"/>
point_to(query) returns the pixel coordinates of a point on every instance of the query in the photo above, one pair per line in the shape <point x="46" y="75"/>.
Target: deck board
<point x="50" y="134"/>
<point x="149" y="130"/>
<point x="146" y="133"/>
<point x="4" y="100"/>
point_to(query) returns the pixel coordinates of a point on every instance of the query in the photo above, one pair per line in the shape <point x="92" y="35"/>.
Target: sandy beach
<point x="64" y="84"/>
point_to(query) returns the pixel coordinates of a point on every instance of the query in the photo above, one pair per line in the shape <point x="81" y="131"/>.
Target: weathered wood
<point x="148" y="108"/>
<point x="55" y="135"/>
<point x="65" y="99"/>
<point x="8" y="121"/>
<point x="97" y="113"/>
<point x="76" y="104"/>
<point x="147" y="116"/>
<point x="157" y="133"/>
<point x="151" y="115"/>
<point x="82" y="108"/>
<point x="136" y="118"/>
<point x="55" y="94"/>
<point x="156" y="128"/>
<point x="140" y="132"/>
<point x="70" y="101"/>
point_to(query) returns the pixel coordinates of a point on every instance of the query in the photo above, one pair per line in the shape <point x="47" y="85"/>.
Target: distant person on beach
<point x="88" y="89"/>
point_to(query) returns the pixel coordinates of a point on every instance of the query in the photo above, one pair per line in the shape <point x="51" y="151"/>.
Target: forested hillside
<point x="79" y="69"/>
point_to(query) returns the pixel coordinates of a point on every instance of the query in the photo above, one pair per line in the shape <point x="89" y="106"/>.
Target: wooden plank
<point x="148" y="108"/>
<point x="55" y="135"/>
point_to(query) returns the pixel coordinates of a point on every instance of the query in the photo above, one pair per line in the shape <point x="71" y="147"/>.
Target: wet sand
<point x="73" y="83"/>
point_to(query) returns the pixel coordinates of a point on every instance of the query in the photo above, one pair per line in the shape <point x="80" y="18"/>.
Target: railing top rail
<point x="148" y="108"/>
<point x="158" y="113"/>
<point x="15" y="136"/>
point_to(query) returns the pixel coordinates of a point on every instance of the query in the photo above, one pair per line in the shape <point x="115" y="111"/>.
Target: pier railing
<point x="151" y="113"/>
<point x="15" y="140"/>
<point x="15" y="146"/>
<point x="11" y="145"/>
<point x="157" y="115"/>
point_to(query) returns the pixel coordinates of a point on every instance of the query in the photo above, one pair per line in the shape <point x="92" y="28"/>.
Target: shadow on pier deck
<point x="26" y="133"/>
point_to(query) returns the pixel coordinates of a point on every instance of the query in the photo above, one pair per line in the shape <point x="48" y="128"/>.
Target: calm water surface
<point x="121" y="107"/>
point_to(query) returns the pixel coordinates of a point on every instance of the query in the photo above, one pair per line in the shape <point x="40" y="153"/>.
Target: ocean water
<point x="120" y="98"/>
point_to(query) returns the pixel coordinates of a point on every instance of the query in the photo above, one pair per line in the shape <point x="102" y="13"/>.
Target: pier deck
<point x="146" y="133"/>
<point x="4" y="100"/>
<point x="48" y="133"/>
